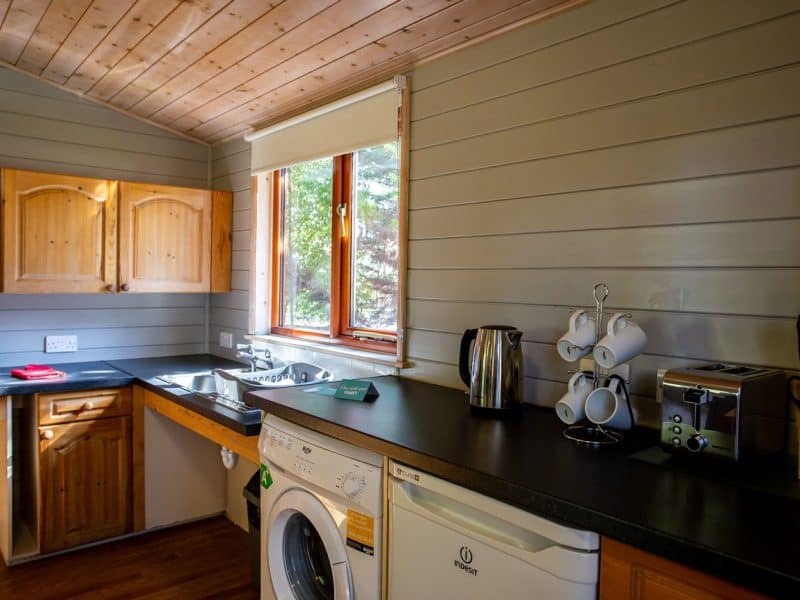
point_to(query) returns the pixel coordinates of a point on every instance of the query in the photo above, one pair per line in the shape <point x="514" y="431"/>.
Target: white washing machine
<point x="321" y="509"/>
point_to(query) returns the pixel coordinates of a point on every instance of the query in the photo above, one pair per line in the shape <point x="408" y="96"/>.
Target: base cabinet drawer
<point x="68" y="407"/>
<point x="85" y="482"/>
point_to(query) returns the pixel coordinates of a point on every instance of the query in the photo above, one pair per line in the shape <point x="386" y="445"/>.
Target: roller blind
<point x="359" y="121"/>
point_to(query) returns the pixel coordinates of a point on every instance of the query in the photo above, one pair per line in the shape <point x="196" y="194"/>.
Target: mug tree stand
<point x="587" y="433"/>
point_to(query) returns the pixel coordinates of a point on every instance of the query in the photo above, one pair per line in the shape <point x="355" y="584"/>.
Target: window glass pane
<point x="375" y="244"/>
<point x="306" y="285"/>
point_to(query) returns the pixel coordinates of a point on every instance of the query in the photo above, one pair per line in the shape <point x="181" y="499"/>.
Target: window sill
<point x="388" y="360"/>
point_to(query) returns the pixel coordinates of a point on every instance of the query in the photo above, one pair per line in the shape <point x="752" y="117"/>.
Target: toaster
<point x="726" y="412"/>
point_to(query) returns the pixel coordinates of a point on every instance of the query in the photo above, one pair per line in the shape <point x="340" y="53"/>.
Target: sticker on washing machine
<point x="361" y="532"/>
<point x="266" y="477"/>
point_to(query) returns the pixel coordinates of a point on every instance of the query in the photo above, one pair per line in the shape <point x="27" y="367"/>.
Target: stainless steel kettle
<point x="493" y="372"/>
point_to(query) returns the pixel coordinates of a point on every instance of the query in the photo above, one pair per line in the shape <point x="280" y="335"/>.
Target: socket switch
<point x="225" y="339"/>
<point x="61" y="343"/>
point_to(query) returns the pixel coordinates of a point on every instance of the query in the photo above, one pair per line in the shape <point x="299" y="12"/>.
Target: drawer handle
<point x="47" y="434"/>
<point x="88" y="406"/>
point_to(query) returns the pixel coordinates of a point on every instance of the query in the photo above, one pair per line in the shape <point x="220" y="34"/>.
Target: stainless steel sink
<point x="203" y="383"/>
<point x="216" y="388"/>
<point x="228" y="386"/>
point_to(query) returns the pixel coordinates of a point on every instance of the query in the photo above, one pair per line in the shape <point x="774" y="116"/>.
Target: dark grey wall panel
<point x="45" y="129"/>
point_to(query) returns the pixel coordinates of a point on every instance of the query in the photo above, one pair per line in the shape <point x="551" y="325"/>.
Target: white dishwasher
<point x="449" y="542"/>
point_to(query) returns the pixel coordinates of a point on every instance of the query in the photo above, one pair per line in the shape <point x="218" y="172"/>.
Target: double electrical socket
<point x="61" y="343"/>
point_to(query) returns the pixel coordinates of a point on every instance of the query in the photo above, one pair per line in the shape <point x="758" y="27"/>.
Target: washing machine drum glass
<point x="306" y="561"/>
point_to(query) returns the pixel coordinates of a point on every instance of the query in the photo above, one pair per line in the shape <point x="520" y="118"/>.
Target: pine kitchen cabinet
<point x="59" y="233"/>
<point x="64" y="234"/>
<point x="85" y="467"/>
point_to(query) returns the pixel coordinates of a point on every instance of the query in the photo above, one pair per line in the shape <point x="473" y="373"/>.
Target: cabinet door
<point x="165" y="239"/>
<point x="628" y="573"/>
<point x="59" y="233"/>
<point x="85" y="482"/>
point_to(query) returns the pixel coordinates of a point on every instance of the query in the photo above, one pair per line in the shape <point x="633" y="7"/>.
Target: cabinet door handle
<point x="125" y="287"/>
<point x="47" y="434"/>
<point x="110" y="287"/>
<point x="88" y="405"/>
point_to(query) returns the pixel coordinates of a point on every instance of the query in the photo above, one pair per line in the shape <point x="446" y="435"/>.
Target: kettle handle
<point x="463" y="355"/>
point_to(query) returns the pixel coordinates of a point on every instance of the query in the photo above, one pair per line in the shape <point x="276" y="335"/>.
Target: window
<point x="336" y="246"/>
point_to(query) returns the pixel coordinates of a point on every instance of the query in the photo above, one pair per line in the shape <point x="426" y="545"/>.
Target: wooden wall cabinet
<point x="85" y="467"/>
<point x="629" y="573"/>
<point x="64" y="234"/>
<point x="59" y="233"/>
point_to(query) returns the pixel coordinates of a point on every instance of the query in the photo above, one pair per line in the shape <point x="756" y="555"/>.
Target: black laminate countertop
<point x="727" y="530"/>
<point x="145" y="372"/>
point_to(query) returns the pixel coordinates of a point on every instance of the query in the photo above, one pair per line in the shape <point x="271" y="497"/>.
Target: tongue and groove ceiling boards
<point x="211" y="69"/>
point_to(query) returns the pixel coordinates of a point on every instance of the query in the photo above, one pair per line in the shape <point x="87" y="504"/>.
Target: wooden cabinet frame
<point x="56" y="248"/>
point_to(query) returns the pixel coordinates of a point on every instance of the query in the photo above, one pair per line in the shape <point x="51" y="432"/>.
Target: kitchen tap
<point x="252" y="355"/>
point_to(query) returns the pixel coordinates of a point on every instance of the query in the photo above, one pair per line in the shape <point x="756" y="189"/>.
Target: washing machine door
<point x="306" y="554"/>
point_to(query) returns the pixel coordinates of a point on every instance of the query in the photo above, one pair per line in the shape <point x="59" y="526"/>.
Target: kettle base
<point x="495" y="413"/>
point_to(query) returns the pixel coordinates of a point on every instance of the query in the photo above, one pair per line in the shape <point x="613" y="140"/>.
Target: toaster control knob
<point x="697" y="442"/>
<point x="677" y="418"/>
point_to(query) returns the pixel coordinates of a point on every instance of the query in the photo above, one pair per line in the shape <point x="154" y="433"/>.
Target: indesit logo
<point x="465" y="556"/>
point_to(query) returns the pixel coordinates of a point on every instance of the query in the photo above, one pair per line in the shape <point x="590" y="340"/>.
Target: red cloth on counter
<point x="37" y="372"/>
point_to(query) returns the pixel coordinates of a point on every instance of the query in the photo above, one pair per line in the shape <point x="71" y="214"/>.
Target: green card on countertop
<point x="354" y="389"/>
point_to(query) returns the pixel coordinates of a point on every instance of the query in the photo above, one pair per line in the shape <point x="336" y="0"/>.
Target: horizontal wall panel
<point x="240" y="240"/>
<point x="763" y="195"/>
<point x="102" y="137"/>
<point x="241" y="220"/>
<point x="235" y="182"/>
<point x="541" y="392"/>
<point x="103" y="158"/>
<point x="79" y="318"/>
<point x="229" y="317"/>
<point x="573" y="23"/>
<point x="102" y="354"/>
<point x="754" y="147"/>
<point x="17" y="96"/>
<point x="240" y="280"/>
<point x="629" y="39"/>
<point x="235" y="299"/>
<point x="33" y="341"/>
<point x="232" y="163"/>
<point x="232" y="146"/>
<point x="240" y="260"/>
<point x="10" y="161"/>
<point x="241" y="199"/>
<point x="720" y="57"/>
<point x="743" y="244"/>
<point x="761" y="97"/>
<point x="770" y="341"/>
<point x="773" y="292"/>
<point x="97" y="301"/>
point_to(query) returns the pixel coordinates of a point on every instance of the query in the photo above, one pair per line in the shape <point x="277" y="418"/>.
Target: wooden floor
<point x="208" y="559"/>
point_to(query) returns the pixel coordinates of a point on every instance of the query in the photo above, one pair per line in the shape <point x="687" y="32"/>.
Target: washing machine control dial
<point x="352" y="484"/>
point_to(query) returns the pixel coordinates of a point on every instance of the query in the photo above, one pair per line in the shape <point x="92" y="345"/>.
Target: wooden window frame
<point x="341" y="332"/>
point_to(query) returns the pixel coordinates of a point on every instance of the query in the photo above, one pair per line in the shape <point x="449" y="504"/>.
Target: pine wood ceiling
<point x="211" y="69"/>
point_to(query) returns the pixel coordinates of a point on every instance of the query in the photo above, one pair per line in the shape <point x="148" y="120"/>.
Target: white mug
<point x="578" y="340"/>
<point x="570" y="409"/>
<point x="607" y="406"/>
<point x="624" y="340"/>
